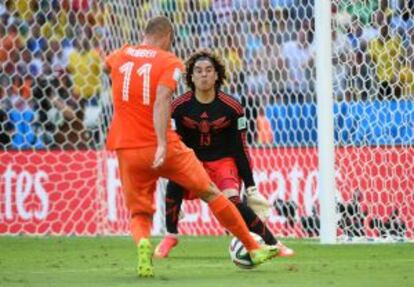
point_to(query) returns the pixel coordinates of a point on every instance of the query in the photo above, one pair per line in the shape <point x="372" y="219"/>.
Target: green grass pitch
<point x="199" y="261"/>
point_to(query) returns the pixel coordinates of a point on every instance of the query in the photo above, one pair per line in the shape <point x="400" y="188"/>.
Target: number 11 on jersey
<point x="144" y="72"/>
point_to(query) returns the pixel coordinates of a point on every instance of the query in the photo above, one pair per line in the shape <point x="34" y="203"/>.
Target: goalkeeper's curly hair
<point x="205" y="54"/>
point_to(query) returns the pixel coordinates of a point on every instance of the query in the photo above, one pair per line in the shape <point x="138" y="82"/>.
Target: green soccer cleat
<point x="145" y="267"/>
<point x="263" y="254"/>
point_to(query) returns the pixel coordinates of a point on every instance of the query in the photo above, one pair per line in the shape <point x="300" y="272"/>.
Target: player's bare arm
<point x="162" y="115"/>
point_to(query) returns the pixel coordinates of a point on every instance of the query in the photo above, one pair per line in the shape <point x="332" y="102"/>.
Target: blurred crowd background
<point x="54" y="92"/>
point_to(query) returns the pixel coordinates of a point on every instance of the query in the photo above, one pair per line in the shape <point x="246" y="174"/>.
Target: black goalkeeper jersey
<point x="214" y="130"/>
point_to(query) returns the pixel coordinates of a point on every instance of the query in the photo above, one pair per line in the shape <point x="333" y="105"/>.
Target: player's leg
<point x="224" y="173"/>
<point x="230" y="218"/>
<point x="138" y="184"/>
<point x="173" y="200"/>
<point x="183" y="167"/>
<point x="256" y="225"/>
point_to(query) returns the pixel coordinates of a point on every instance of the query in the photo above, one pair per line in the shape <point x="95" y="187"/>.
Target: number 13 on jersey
<point x="144" y="72"/>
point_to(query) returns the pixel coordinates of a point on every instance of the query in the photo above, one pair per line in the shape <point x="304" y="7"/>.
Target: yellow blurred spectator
<point x="234" y="59"/>
<point x="204" y="4"/>
<point x="386" y="52"/>
<point x="26" y="8"/>
<point x="86" y="68"/>
<point x="406" y="78"/>
<point x="55" y="26"/>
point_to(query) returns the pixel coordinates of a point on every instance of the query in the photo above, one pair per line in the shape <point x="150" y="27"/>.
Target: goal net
<point x="57" y="177"/>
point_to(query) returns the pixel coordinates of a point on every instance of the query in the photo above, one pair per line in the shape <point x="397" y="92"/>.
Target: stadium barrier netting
<point x="55" y="107"/>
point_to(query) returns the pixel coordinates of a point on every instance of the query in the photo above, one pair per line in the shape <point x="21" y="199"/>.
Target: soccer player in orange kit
<point x="144" y="78"/>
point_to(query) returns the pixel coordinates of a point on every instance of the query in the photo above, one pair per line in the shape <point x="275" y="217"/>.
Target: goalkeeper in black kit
<point x="212" y="123"/>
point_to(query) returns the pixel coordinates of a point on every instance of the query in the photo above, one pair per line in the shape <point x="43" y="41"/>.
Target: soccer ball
<point x="239" y="254"/>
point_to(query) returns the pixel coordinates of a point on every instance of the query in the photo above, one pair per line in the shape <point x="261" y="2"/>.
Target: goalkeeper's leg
<point x="173" y="202"/>
<point x="183" y="167"/>
<point x="253" y="221"/>
<point x="256" y="225"/>
<point x="230" y="218"/>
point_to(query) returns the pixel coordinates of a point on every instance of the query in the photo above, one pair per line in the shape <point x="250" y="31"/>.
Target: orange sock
<point x="140" y="227"/>
<point x="230" y="218"/>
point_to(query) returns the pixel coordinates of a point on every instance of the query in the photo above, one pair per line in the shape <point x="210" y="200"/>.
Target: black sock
<point x="253" y="222"/>
<point x="173" y="201"/>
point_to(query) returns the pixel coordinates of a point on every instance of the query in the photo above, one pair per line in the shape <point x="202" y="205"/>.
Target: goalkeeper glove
<point x="258" y="203"/>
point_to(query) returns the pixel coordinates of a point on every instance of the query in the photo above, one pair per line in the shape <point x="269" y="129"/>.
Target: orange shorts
<point x="139" y="178"/>
<point x="223" y="173"/>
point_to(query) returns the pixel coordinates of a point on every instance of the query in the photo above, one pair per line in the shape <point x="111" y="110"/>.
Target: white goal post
<point x="326" y="146"/>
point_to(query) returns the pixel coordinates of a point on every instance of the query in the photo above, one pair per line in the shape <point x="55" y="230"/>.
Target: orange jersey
<point x="136" y="71"/>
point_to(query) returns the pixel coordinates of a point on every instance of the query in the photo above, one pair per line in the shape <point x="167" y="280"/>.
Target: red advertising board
<point x="78" y="192"/>
<point x="48" y="193"/>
